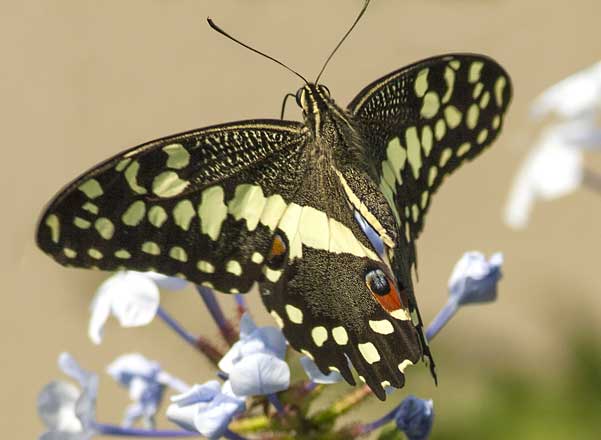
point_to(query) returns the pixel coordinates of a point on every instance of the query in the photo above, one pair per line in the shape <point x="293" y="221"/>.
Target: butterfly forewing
<point x="425" y="120"/>
<point x="201" y="205"/>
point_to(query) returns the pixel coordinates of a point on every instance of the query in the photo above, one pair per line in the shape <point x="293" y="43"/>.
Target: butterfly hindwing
<point x="425" y="120"/>
<point x="319" y="294"/>
<point x="326" y="314"/>
<point x="201" y="205"/>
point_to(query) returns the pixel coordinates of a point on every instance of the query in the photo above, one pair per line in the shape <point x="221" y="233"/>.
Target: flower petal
<point x="315" y="374"/>
<point x="274" y="340"/>
<point x="577" y="94"/>
<point x="56" y="406"/>
<point x="165" y="281"/>
<point x="213" y="421"/>
<point x="71" y="368"/>
<point x="259" y="374"/>
<point x="247" y="326"/>
<point x="136" y="299"/>
<point x="206" y="408"/>
<point x="130" y="296"/>
<point x="198" y="394"/>
<point x="63" y="435"/>
<point x="184" y="415"/>
<point x="415" y="418"/>
<point x="100" y="310"/>
<point x="553" y="168"/>
<point x="474" y="279"/>
<point x="127" y="366"/>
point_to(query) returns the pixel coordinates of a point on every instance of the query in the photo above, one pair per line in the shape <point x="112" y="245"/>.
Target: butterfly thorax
<point x="337" y="156"/>
<point x="331" y="129"/>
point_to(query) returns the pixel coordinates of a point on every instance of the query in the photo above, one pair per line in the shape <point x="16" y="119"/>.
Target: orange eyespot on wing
<point x="383" y="289"/>
<point x="277" y="253"/>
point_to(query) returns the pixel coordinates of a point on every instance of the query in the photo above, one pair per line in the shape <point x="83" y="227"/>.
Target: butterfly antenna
<point x="343" y="38"/>
<point x="225" y="34"/>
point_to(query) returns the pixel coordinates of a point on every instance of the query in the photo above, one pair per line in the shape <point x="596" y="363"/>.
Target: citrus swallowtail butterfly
<point x="295" y="208"/>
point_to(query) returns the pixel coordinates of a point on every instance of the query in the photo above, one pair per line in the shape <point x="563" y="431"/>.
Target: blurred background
<point x="82" y="80"/>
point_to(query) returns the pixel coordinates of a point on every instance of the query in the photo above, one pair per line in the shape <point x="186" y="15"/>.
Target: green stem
<point x="343" y="405"/>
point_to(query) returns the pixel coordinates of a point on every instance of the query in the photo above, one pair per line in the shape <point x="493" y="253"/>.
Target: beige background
<point x="82" y="80"/>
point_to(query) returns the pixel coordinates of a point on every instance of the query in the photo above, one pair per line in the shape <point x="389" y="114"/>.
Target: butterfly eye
<point x="277" y="253"/>
<point x="325" y="90"/>
<point x="299" y="96"/>
<point x="377" y="282"/>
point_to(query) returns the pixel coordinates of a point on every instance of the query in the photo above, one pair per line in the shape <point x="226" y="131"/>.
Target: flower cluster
<point x="554" y="166"/>
<point x="253" y="394"/>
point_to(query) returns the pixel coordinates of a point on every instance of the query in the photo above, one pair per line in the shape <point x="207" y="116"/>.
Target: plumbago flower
<point x="256" y="394"/>
<point x="473" y="280"/>
<point x="146" y="383"/>
<point x="554" y="166"/>
<point x="67" y="411"/>
<point x="131" y="297"/>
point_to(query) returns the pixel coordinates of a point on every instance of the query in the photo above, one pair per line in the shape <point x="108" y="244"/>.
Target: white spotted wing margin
<point x="200" y="205"/>
<point x="323" y="309"/>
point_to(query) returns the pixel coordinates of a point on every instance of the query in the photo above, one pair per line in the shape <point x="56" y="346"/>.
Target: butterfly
<point x="322" y="214"/>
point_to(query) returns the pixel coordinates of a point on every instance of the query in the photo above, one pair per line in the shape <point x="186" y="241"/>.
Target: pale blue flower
<point x="315" y="374"/>
<point x="208" y="408"/>
<point x="69" y="412"/>
<point x="146" y="383"/>
<point x="414" y="417"/>
<point x="255" y="364"/>
<point x="131" y="297"/>
<point x="259" y="374"/>
<point x="474" y="280"/>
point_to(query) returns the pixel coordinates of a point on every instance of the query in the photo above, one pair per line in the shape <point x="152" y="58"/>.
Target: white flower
<point x="554" y="166"/>
<point x="132" y="297"/>
<point x="146" y="382"/>
<point x="552" y="169"/>
<point x="206" y="408"/>
<point x="68" y="412"/>
<point x="572" y="97"/>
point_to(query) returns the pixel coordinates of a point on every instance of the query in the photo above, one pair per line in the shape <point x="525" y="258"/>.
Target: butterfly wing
<point x="318" y="293"/>
<point x="201" y="205"/>
<point x="425" y="120"/>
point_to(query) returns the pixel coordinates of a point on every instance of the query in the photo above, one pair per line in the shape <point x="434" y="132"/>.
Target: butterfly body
<point x="323" y="215"/>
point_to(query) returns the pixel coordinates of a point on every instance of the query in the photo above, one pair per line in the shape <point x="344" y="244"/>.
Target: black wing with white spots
<point x="200" y="205"/>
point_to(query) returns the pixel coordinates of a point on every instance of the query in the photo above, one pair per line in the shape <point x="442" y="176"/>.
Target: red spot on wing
<point x="391" y="301"/>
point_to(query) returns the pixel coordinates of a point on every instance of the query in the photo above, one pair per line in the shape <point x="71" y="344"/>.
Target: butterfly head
<point x="313" y="98"/>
